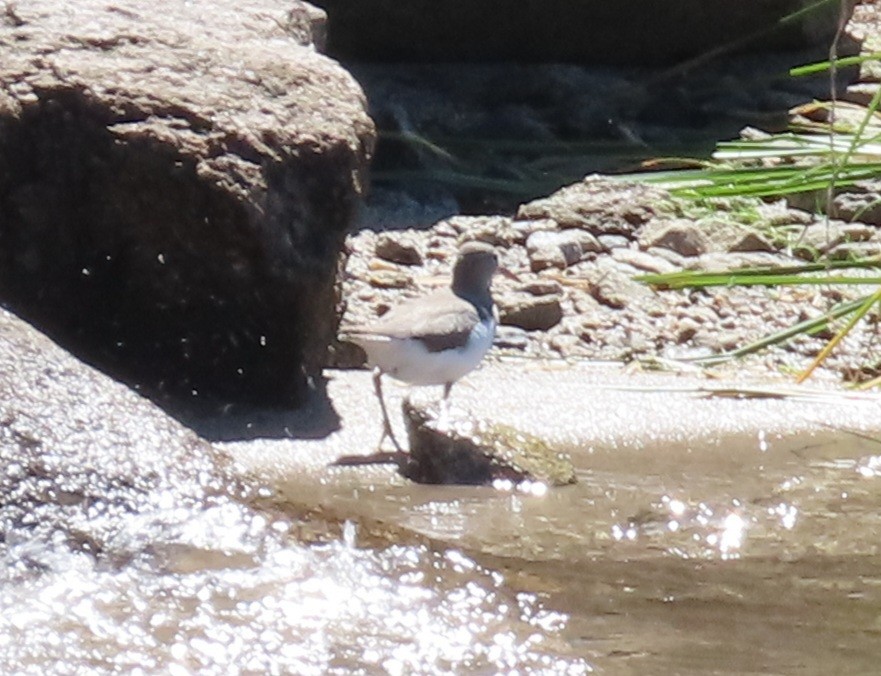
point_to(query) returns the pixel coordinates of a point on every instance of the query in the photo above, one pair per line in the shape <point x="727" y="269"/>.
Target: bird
<point x="434" y="339"/>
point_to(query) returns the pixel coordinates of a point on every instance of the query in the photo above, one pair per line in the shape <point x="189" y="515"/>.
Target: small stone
<point x="610" y="286"/>
<point x="728" y="236"/>
<point x="609" y="242"/>
<point x="680" y="235"/>
<point x="861" y="93"/>
<point x="511" y="337"/>
<point x="677" y="260"/>
<point x="494" y="230"/>
<point x="532" y="313"/>
<point x="780" y="213"/>
<point x="586" y="304"/>
<point x="855" y="251"/>
<point x="553" y="250"/>
<point x="861" y="203"/>
<point x="722" y="262"/>
<point x="686" y="330"/>
<point x="642" y="260"/>
<point x="542" y="287"/>
<point x="822" y="236"/>
<point x="589" y="243"/>
<point x="398" y="248"/>
<point x="389" y="279"/>
<point x="564" y="344"/>
<point x="524" y="229"/>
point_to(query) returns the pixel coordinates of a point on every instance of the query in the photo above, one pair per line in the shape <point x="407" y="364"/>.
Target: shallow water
<point x="705" y="535"/>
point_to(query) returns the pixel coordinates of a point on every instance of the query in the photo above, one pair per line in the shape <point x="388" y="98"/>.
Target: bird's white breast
<point x="409" y="360"/>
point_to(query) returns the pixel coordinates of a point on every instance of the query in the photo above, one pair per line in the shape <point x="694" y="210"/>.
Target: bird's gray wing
<point x="442" y="320"/>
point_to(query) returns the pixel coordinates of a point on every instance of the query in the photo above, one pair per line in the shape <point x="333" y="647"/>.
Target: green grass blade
<point x="807" y="326"/>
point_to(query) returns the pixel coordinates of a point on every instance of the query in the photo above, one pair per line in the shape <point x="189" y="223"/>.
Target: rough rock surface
<point x="85" y="463"/>
<point x="175" y="183"/>
<point x="451" y="447"/>
<point x="654" y="31"/>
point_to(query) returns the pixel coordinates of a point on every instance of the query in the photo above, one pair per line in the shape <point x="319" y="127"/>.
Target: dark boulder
<point x="175" y="184"/>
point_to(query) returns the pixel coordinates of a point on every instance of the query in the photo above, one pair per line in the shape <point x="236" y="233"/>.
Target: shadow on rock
<point x="316" y="418"/>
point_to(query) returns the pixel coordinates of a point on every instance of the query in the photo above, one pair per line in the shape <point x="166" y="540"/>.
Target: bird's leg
<point x="445" y="403"/>
<point x="386" y="423"/>
<point x="396" y="457"/>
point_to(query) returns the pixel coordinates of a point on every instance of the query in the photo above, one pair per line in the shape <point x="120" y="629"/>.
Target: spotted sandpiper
<point x="435" y="339"/>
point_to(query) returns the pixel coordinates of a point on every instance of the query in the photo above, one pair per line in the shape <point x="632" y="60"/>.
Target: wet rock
<point x="532" y="313"/>
<point x="599" y="206"/>
<point x="87" y="465"/>
<point x="553" y="250"/>
<point x="681" y="235"/>
<point x="398" y="248"/>
<point x="176" y="185"/>
<point x="451" y="447"/>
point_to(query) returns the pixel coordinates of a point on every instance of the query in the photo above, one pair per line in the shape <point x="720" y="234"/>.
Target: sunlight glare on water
<point x="227" y="592"/>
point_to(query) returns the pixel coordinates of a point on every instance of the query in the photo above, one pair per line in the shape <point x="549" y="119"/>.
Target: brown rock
<point x="729" y="236"/>
<point x="176" y="186"/>
<point x="452" y="447"/>
<point x="552" y="250"/>
<point x="389" y="279"/>
<point x="599" y="206"/>
<point x="642" y="260"/>
<point x="822" y="237"/>
<point x="611" y="287"/>
<point x="495" y="230"/>
<point x="398" y="248"/>
<point x="861" y="202"/>
<point x="681" y="235"/>
<point x="533" y="313"/>
<point x="543" y="287"/>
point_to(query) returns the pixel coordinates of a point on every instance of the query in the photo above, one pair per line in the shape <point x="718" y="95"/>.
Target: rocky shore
<point x="575" y="257"/>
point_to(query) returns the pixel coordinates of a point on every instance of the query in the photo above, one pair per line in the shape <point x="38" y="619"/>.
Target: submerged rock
<point x="451" y="447"/>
